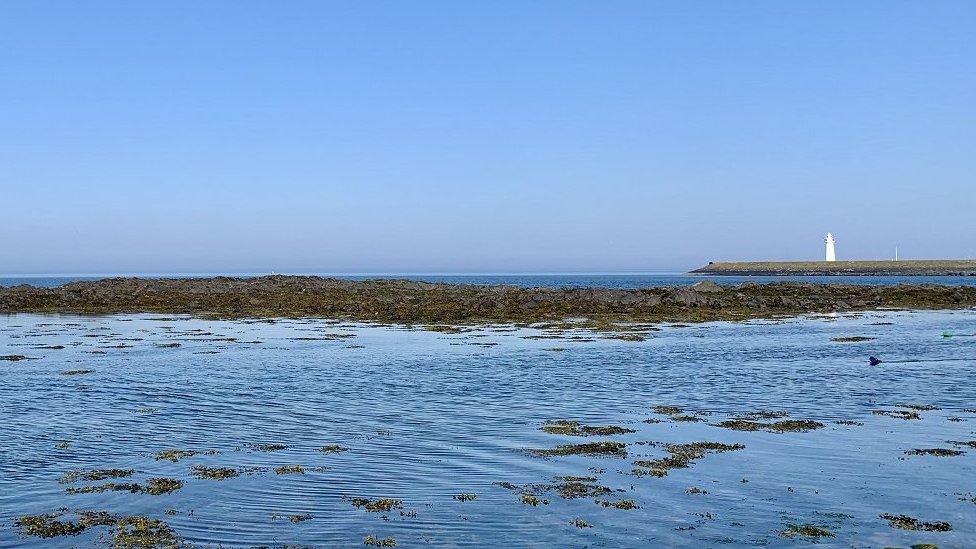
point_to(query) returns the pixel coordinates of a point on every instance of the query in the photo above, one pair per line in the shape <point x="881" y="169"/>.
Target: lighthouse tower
<point x="830" y="248"/>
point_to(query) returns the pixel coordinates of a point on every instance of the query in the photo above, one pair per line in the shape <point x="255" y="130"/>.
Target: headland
<point x="916" y="267"/>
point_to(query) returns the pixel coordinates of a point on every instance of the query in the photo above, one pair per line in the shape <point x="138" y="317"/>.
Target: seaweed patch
<point x="906" y="522"/>
<point x="575" y="428"/>
<point x="377" y="505"/>
<point x="374" y="541"/>
<point x="611" y="449"/>
<point x="806" y="531"/>
<point x="215" y="473"/>
<point x="681" y="456"/>
<point x="785" y="426"/>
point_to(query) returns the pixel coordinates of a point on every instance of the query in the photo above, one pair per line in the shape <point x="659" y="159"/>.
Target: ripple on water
<point x="424" y="416"/>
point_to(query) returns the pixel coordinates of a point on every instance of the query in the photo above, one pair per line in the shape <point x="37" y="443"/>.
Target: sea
<point x="317" y="432"/>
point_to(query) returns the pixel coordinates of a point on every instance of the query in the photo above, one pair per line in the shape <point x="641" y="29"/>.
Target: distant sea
<point x="583" y="280"/>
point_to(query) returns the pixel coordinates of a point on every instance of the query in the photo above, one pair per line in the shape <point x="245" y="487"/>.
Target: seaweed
<point x="575" y="428"/>
<point x="898" y="414"/>
<point x="580" y="523"/>
<point x="177" y="455"/>
<point x="612" y="449"/>
<point x="970" y="443"/>
<point x="130" y="531"/>
<point x="806" y="531"/>
<point x="290" y="470"/>
<point x="47" y="526"/>
<point x="95" y="475"/>
<point x="108" y="487"/>
<point x="851" y="339"/>
<point x="574" y="489"/>
<point x="76" y="372"/>
<point x="667" y="410"/>
<point x="785" y="426"/>
<point x="162" y="485"/>
<point x="215" y="473"/>
<point x="89" y="519"/>
<point x="374" y="541"/>
<point x="681" y="456"/>
<point x="273" y="447"/>
<point x="906" y="522"/>
<point x="300" y="518"/>
<point x="377" y="505"/>
<point x="332" y="449"/>
<point x="156" y="487"/>
<point x="462" y="497"/>
<point x="940" y="452"/>
<point x="566" y="487"/>
<point x="764" y="414"/>
<point x="531" y="499"/>
<point x="143" y="532"/>
<point x="624" y="504"/>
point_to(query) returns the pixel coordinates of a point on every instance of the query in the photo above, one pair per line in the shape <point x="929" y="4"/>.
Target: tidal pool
<point x="310" y="432"/>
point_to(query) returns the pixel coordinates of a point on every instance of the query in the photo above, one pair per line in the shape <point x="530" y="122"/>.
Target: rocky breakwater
<point x="419" y="302"/>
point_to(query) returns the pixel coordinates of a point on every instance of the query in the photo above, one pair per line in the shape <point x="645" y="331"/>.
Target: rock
<point x="706" y="286"/>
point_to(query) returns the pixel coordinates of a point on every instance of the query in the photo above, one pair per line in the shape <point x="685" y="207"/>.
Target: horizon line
<point x="340" y="274"/>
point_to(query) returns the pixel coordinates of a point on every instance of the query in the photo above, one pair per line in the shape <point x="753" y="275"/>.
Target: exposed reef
<point x="444" y="304"/>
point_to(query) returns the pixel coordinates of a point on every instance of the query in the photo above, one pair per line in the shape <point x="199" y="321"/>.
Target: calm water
<point x="580" y="280"/>
<point x="426" y="416"/>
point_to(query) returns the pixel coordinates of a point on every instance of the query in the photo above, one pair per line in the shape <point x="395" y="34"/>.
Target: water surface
<point x="427" y="416"/>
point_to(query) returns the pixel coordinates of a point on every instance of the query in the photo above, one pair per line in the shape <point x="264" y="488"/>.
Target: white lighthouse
<point x="830" y="248"/>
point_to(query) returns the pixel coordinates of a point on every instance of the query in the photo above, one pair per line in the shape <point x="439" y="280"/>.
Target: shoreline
<point x="405" y="301"/>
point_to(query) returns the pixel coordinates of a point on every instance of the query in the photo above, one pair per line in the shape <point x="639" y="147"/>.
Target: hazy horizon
<point x="436" y="137"/>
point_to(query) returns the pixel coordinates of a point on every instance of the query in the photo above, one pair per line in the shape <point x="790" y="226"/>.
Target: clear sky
<point x="359" y="136"/>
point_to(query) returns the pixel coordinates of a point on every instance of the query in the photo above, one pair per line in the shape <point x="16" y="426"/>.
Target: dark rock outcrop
<point x="410" y="301"/>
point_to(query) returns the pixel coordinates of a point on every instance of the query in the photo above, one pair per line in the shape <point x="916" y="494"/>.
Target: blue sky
<point x="481" y="137"/>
